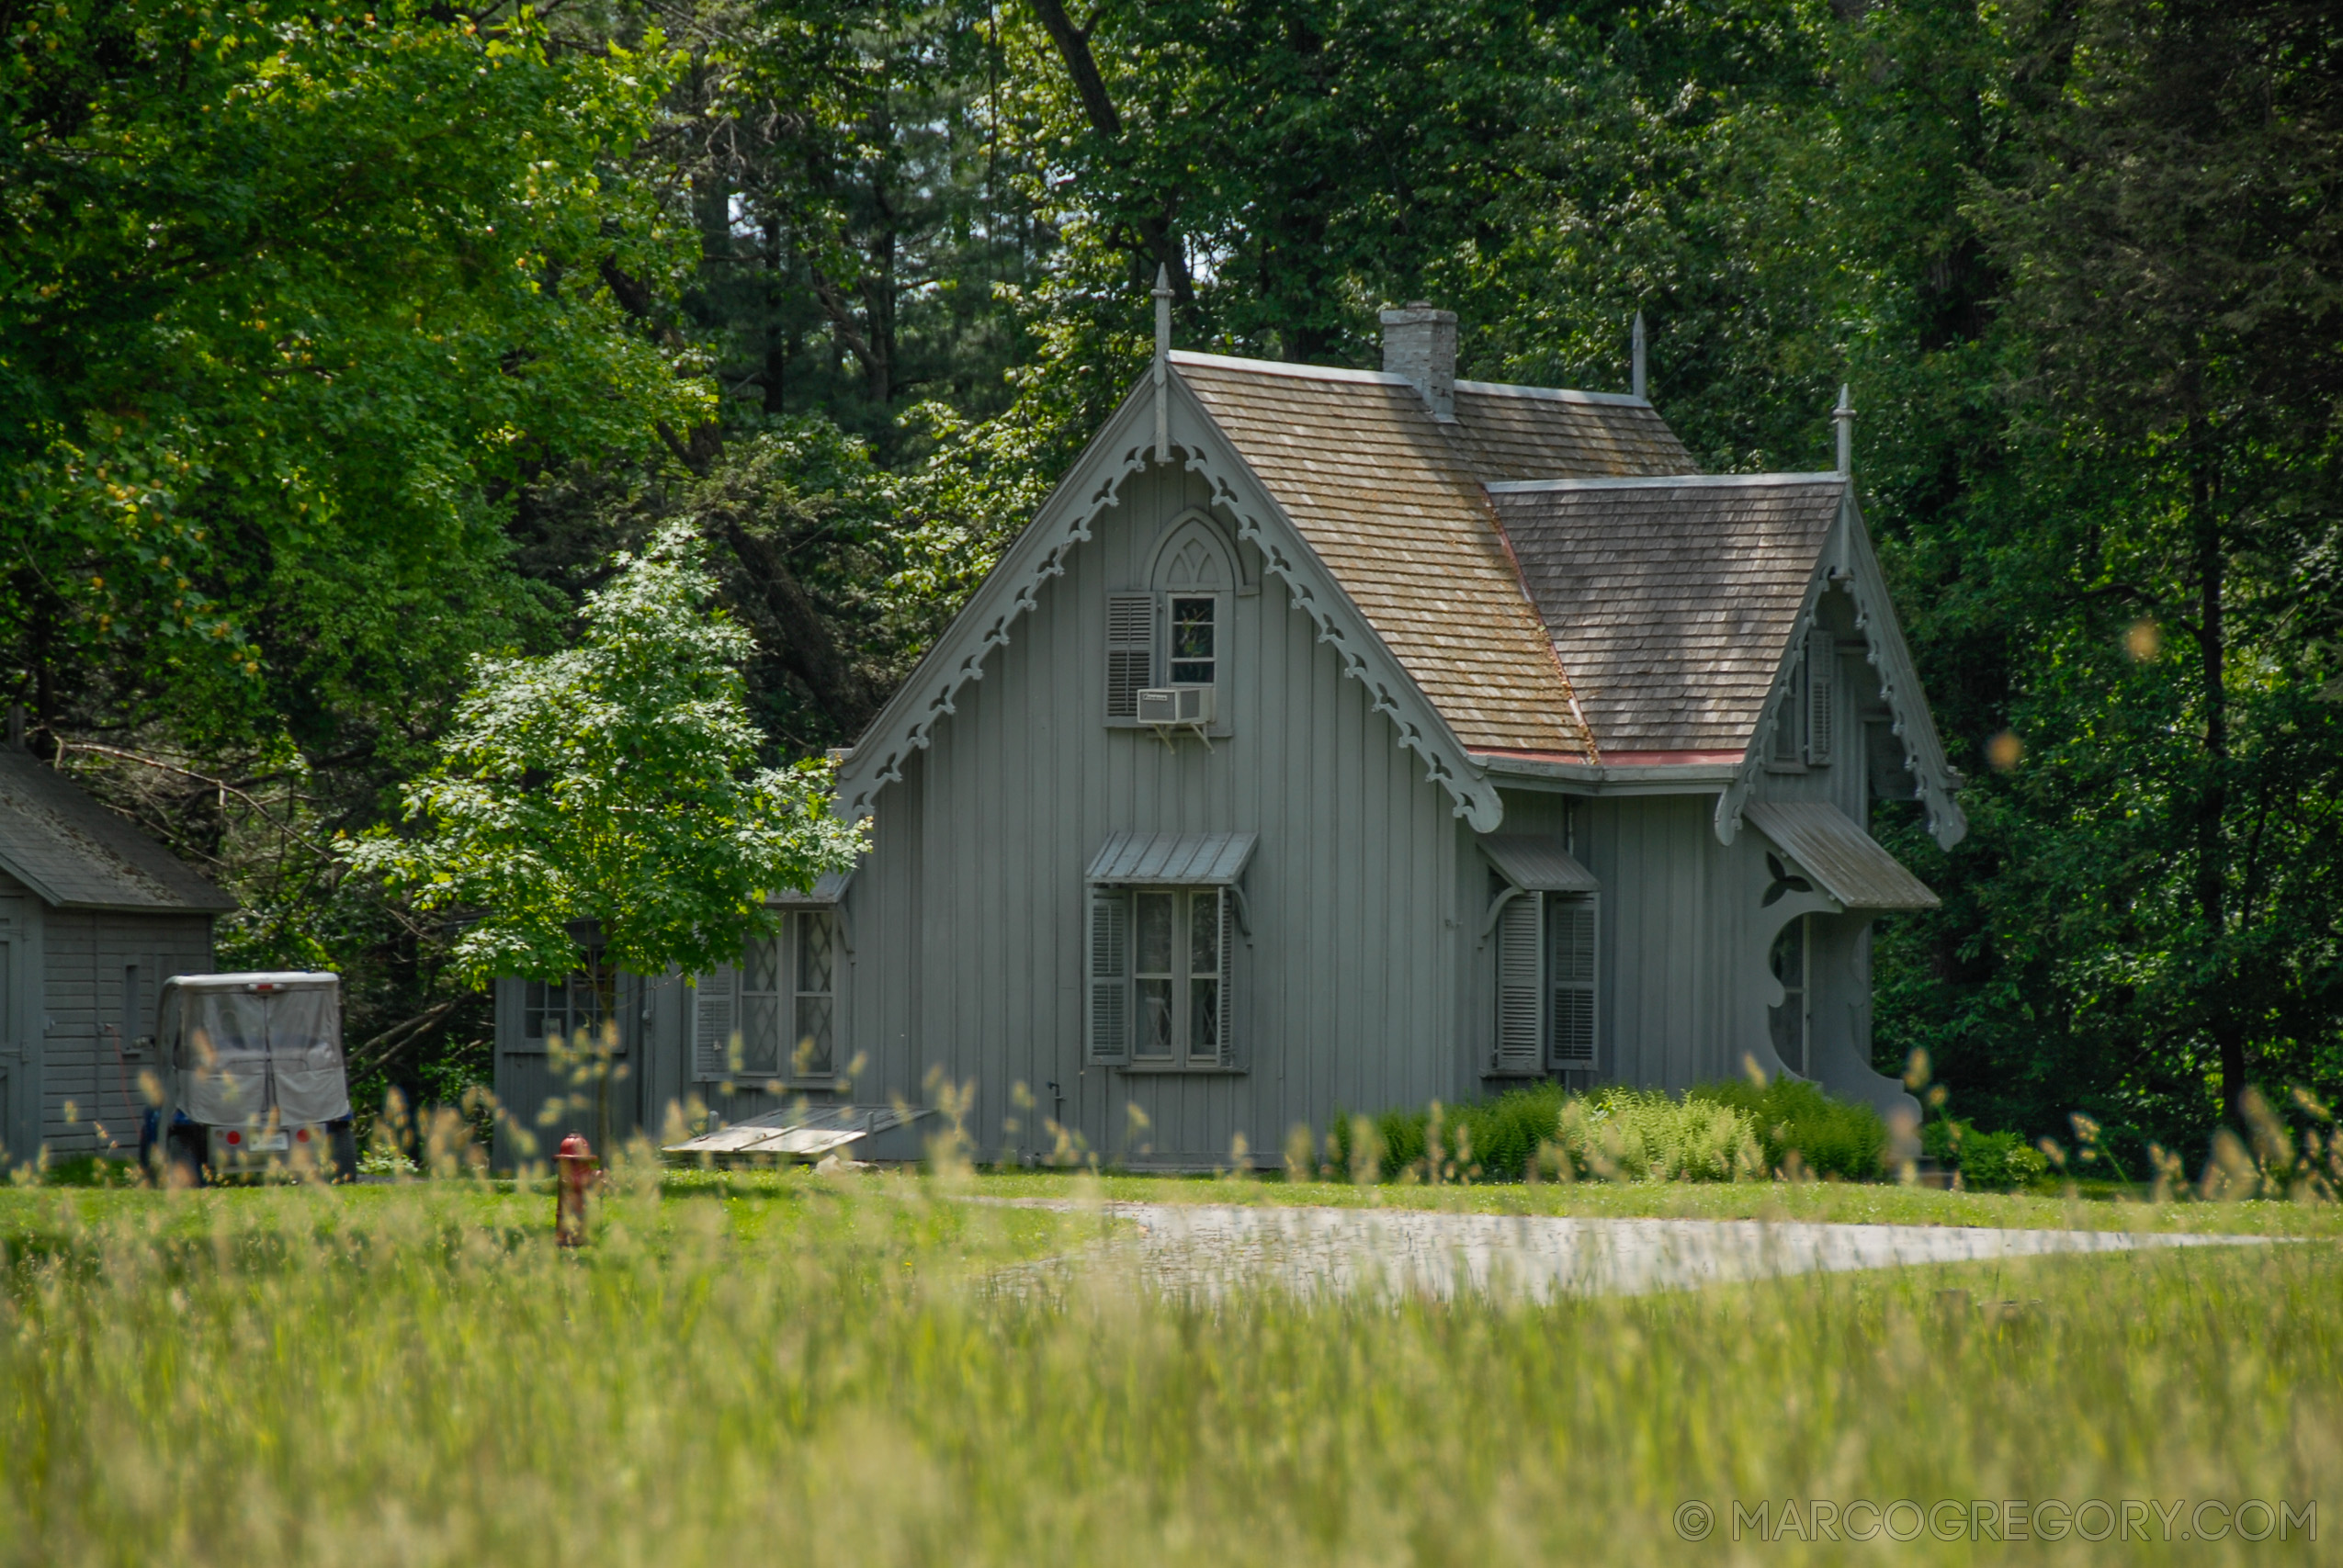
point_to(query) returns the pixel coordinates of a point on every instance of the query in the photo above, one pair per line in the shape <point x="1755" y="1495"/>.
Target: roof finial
<point x="1162" y="362"/>
<point x="1845" y="415"/>
<point x="1638" y="371"/>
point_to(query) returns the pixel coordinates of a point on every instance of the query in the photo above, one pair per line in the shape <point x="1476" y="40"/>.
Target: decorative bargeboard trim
<point x="1124" y="448"/>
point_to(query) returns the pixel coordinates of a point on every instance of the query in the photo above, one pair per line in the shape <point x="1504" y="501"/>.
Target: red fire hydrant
<point x="577" y="1171"/>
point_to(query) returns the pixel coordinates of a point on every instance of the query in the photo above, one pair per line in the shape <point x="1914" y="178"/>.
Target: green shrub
<point x="1790" y="1116"/>
<point x="1616" y="1133"/>
<point x="1490" y="1140"/>
<point x="1988" y="1162"/>
<point x="1643" y="1136"/>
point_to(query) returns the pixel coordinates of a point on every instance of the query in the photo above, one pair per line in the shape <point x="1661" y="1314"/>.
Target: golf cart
<point x="253" y="1077"/>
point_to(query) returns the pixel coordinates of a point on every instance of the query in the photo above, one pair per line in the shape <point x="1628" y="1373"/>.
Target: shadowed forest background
<point x="340" y="346"/>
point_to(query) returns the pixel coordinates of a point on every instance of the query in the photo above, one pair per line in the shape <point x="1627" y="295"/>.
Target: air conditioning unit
<point x="1177" y="705"/>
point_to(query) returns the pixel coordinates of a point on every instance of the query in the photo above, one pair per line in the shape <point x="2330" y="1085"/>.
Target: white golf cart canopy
<point x="238" y="1047"/>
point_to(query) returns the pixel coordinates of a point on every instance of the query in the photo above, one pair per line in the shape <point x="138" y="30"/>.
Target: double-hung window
<point x="1165" y="921"/>
<point x="773" y="1015"/>
<point x="1544" y="923"/>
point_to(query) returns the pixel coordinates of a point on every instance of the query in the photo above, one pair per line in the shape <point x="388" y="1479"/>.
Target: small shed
<point x="94" y="917"/>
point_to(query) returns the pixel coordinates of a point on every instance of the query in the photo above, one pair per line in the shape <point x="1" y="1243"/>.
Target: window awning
<point x="1847" y="861"/>
<point x="1536" y="863"/>
<point x="1173" y="859"/>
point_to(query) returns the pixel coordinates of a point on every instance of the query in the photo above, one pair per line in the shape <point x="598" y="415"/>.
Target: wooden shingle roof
<point x="1671" y="600"/>
<point x="1385" y="500"/>
<point x="77" y="855"/>
<point x="1539" y="432"/>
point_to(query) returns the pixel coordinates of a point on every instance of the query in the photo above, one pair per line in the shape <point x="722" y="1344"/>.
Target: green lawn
<point x="768" y="1368"/>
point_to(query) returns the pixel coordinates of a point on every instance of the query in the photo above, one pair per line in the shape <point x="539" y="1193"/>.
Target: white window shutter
<point x="1110" y="975"/>
<point x="1227" y="978"/>
<point x="1571" y="970"/>
<point x="1519" y="1015"/>
<point x="1822" y="668"/>
<point x="1130" y="652"/>
<point x="715" y="1023"/>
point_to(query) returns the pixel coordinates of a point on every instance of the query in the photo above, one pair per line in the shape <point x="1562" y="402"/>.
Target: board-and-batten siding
<point x="651" y="1074"/>
<point x="968" y="915"/>
<point x="21" y="928"/>
<point x="1656" y="998"/>
<point x="90" y="1101"/>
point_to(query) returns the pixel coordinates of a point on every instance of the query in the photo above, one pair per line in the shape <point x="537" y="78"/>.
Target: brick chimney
<point x="1420" y="343"/>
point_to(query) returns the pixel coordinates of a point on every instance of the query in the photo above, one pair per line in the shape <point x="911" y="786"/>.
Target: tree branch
<point x="1156" y="237"/>
<point x="383" y="1047"/>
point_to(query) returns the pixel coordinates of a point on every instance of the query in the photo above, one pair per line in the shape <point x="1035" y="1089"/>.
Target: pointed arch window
<point x="1177" y="632"/>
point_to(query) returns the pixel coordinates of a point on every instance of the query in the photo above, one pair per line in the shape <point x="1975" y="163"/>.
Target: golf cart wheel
<point x="344" y="1145"/>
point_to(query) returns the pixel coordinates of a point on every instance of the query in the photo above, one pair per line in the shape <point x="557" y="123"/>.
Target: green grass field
<point x="768" y="1368"/>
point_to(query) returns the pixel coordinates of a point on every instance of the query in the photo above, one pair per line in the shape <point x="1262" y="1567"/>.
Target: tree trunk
<point x="1156" y="235"/>
<point x="2213" y="795"/>
<point x="791" y="628"/>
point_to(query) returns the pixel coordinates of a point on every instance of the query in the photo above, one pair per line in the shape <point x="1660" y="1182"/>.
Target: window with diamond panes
<point x="765" y="1006"/>
<point x="813" y="1055"/>
<point x="774" y="1018"/>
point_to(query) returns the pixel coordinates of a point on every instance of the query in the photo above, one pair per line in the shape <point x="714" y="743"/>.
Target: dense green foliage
<point x="1829" y="1136"/>
<point x="340" y="346"/>
<point x="1988" y="1162"/>
<point x="416" y="1375"/>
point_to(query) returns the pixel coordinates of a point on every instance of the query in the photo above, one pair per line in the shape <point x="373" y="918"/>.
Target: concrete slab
<point x="1208" y="1250"/>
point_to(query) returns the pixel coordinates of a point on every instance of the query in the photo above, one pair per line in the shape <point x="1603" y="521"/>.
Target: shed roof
<point x="1670" y="600"/>
<point x="1837" y="853"/>
<point x="1173" y="859"/>
<point x="1537" y="862"/>
<point x="76" y="854"/>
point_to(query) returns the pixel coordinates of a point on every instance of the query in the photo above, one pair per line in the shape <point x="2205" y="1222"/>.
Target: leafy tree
<point x="615" y="783"/>
<point x="2177" y="286"/>
<point x="289" y="297"/>
<point x="854" y="185"/>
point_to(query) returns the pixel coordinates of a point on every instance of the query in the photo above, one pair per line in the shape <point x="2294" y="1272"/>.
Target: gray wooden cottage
<point x="1334" y="741"/>
<point x="94" y="917"/>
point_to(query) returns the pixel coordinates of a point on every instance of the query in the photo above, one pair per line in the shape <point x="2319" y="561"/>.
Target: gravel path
<point x="1207" y="1248"/>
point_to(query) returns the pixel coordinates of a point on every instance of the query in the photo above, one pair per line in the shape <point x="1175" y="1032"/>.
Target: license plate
<point x="269" y="1141"/>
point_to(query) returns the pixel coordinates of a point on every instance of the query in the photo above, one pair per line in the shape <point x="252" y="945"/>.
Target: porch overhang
<point x="1845" y="862"/>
